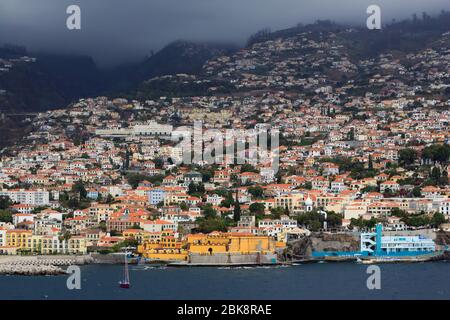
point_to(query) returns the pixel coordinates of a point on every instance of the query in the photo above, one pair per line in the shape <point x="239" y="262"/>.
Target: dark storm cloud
<point x="115" y="31"/>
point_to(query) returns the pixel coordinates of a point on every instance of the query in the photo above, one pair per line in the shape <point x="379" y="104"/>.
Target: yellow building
<point x="217" y="242"/>
<point x="169" y="248"/>
<point x="171" y="198"/>
<point x="141" y="235"/>
<point x="55" y="245"/>
<point x="20" y="239"/>
<point x="293" y="202"/>
<point x="77" y="245"/>
<point x="36" y="243"/>
<point x="166" y="248"/>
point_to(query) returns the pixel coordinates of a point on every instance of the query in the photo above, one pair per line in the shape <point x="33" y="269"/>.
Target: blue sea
<point x="429" y="280"/>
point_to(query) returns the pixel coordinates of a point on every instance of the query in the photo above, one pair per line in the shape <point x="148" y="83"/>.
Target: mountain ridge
<point x="54" y="81"/>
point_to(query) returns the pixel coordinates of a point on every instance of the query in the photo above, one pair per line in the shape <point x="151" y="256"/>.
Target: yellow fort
<point x="214" y="248"/>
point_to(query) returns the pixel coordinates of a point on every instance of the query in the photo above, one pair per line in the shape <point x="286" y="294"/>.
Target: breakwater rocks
<point x="39" y="265"/>
<point x="30" y="270"/>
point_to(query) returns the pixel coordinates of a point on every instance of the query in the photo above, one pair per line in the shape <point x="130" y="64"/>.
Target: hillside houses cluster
<point x="103" y="170"/>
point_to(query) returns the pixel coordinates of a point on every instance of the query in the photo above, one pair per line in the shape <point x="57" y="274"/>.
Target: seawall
<point x="224" y="259"/>
<point x="107" y="258"/>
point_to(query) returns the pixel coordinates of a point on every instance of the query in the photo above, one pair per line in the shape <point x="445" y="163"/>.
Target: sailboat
<point x="125" y="283"/>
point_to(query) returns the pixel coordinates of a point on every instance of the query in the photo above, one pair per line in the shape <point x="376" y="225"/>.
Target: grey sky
<point x="115" y="31"/>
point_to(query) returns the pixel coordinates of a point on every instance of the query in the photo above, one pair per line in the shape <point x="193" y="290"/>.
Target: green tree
<point x="192" y="188"/>
<point x="5" y="202"/>
<point x="237" y="209"/>
<point x="362" y="223"/>
<point x="208" y="211"/>
<point x="417" y="220"/>
<point x="210" y="224"/>
<point x="196" y="189"/>
<point x="257" y="208"/>
<point x="351" y="134"/>
<point x="278" y="211"/>
<point x="407" y="156"/>
<point x="256" y="191"/>
<point x="109" y="198"/>
<point x="248" y="168"/>
<point x="369" y="189"/>
<point x="443" y="180"/>
<point x="397" y="212"/>
<point x="435" y="174"/>
<point x="437" y="219"/>
<point x="334" y="219"/>
<point x="79" y="189"/>
<point x="228" y="201"/>
<point x="311" y="220"/>
<point x="308" y="185"/>
<point x="135" y="178"/>
<point x="437" y="152"/>
<point x="6" y="216"/>
<point x="102" y="226"/>
<point x="126" y="164"/>
<point x="159" y="163"/>
<point x="416" y="192"/>
<point x="124" y="244"/>
<point x="184" y="206"/>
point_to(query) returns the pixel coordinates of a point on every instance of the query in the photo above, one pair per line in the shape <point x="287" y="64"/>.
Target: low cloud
<point x="117" y="31"/>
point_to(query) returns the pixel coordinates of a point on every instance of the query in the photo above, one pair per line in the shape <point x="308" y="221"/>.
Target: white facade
<point x="153" y="129"/>
<point x="159" y="226"/>
<point x="285" y="222"/>
<point x="445" y="207"/>
<point x="31" y="197"/>
<point x="2" y="237"/>
<point x="21" y="217"/>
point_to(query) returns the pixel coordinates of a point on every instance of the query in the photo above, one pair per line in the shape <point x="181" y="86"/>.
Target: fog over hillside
<point x="117" y="31"/>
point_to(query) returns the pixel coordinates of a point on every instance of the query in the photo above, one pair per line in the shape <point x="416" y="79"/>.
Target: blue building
<point x="92" y="194"/>
<point x="375" y="244"/>
<point x="156" y="195"/>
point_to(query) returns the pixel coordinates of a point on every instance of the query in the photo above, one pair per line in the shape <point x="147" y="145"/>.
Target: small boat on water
<point x="125" y="283"/>
<point x="397" y="259"/>
<point x="141" y="261"/>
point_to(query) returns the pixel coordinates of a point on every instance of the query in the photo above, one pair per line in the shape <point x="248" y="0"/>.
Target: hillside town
<point x="361" y="143"/>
